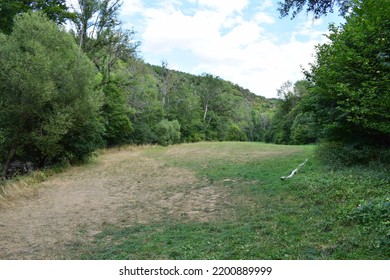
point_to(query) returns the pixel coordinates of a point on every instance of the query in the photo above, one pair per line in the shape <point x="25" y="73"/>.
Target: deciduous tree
<point x="55" y="10"/>
<point x="351" y="77"/>
<point x="317" y="7"/>
<point x="48" y="109"/>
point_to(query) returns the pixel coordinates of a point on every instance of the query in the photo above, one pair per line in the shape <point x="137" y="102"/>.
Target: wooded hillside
<point x="64" y="94"/>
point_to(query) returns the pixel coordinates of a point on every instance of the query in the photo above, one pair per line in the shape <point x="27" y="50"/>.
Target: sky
<point x="242" y="41"/>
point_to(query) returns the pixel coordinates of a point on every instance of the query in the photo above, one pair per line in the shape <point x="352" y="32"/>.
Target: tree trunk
<point x="206" y="107"/>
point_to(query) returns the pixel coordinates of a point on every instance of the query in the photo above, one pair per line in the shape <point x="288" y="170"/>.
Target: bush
<point x="236" y="134"/>
<point x="302" y="129"/>
<point x="168" y="132"/>
<point x="338" y="154"/>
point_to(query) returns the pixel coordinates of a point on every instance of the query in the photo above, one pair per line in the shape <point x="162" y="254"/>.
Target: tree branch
<point x="294" y="171"/>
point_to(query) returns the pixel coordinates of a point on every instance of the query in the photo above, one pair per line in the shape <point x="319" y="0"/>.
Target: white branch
<point x="294" y="171"/>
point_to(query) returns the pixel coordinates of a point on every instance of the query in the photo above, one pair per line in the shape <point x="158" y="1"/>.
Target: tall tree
<point x="184" y="106"/>
<point x="164" y="83"/>
<point x="209" y="88"/>
<point x="291" y="124"/>
<point x="55" y="10"/>
<point x="100" y="34"/>
<point x="101" y="37"/>
<point x="145" y="99"/>
<point x="351" y="77"/>
<point x="48" y="108"/>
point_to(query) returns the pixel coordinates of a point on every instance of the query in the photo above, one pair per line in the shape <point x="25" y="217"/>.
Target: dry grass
<point x="235" y="151"/>
<point x="121" y="186"/>
<point x="21" y="188"/>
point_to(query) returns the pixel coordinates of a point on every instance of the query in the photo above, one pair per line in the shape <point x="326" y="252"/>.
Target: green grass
<point x="320" y="213"/>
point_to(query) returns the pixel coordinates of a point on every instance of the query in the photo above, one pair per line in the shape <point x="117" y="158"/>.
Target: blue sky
<point x="243" y="41"/>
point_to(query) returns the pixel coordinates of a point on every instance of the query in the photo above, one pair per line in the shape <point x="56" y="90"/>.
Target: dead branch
<point x="294" y="171"/>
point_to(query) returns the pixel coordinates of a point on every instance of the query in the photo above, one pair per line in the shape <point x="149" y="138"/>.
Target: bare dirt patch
<point x="122" y="187"/>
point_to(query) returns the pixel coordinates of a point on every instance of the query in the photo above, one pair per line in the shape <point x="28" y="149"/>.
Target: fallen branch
<point x="294" y="171"/>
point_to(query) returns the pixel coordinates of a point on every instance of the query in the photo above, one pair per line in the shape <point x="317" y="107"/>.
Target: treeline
<point x="345" y="100"/>
<point x="65" y="94"/>
<point x="290" y="122"/>
<point x="167" y="107"/>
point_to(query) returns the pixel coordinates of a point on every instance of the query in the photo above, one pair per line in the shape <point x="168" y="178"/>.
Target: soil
<point x="123" y="187"/>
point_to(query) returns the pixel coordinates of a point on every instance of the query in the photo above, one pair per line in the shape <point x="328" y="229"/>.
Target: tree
<point x="101" y="37"/>
<point x="317" y="7"/>
<point x="164" y="83"/>
<point x="350" y="96"/>
<point x="184" y="106"/>
<point x="208" y="88"/>
<point x="55" y="10"/>
<point x="117" y="114"/>
<point x="144" y="98"/>
<point x="291" y="124"/>
<point x="99" y="33"/>
<point x="48" y="109"/>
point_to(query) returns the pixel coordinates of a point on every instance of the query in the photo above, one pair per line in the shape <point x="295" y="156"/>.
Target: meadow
<point x="219" y="200"/>
<point x="320" y="213"/>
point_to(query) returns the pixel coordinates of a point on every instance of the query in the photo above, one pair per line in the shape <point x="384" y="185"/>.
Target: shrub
<point x="374" y="216"/>
<point x="236" y="134"/>
<point x="337" y="154"/>
<point x="168" y="132"/>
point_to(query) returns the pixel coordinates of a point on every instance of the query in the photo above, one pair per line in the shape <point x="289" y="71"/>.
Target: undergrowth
<point x="27" y="185"/>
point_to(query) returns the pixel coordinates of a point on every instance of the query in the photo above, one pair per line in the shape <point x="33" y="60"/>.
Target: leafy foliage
<point x="206" y="107"/>
<point x="350" y="94"/>
<point x="117" y="114"/>
<point x="374" y="215"/>
<point x="55" y="10"/>
<point x="168" y="132"/>
<point x="317" y="7"/>
<point x="339" y="154"/>
<point x="49" y="111"/>
<point x="291" y="124"/>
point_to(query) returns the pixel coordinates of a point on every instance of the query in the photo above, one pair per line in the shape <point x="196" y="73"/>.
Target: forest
<point x="64" y="93"/>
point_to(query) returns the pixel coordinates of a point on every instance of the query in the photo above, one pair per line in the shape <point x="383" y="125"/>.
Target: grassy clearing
<point x="318" y="214"/>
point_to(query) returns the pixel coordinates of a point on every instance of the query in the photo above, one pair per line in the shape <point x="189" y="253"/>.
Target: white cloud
<point x="223" y="40"/>
<point x="265" y="5"/>
<point x="264" y="66"/>
<point x="167" y="32"/>
<point x="131" y="7"/>
<point x="263" y="17"/>
<point x="223" y="6"/>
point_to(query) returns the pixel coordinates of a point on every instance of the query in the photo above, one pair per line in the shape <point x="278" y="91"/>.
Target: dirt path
<point x="123" y="187"/>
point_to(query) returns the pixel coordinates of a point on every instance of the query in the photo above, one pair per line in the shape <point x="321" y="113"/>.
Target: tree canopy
<point x="351" y="77"/>
<point x="64" y="94"/>
<point x="55" y="10"/>
<point x="48" y="107"/>
<point x="317" y="7"/>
